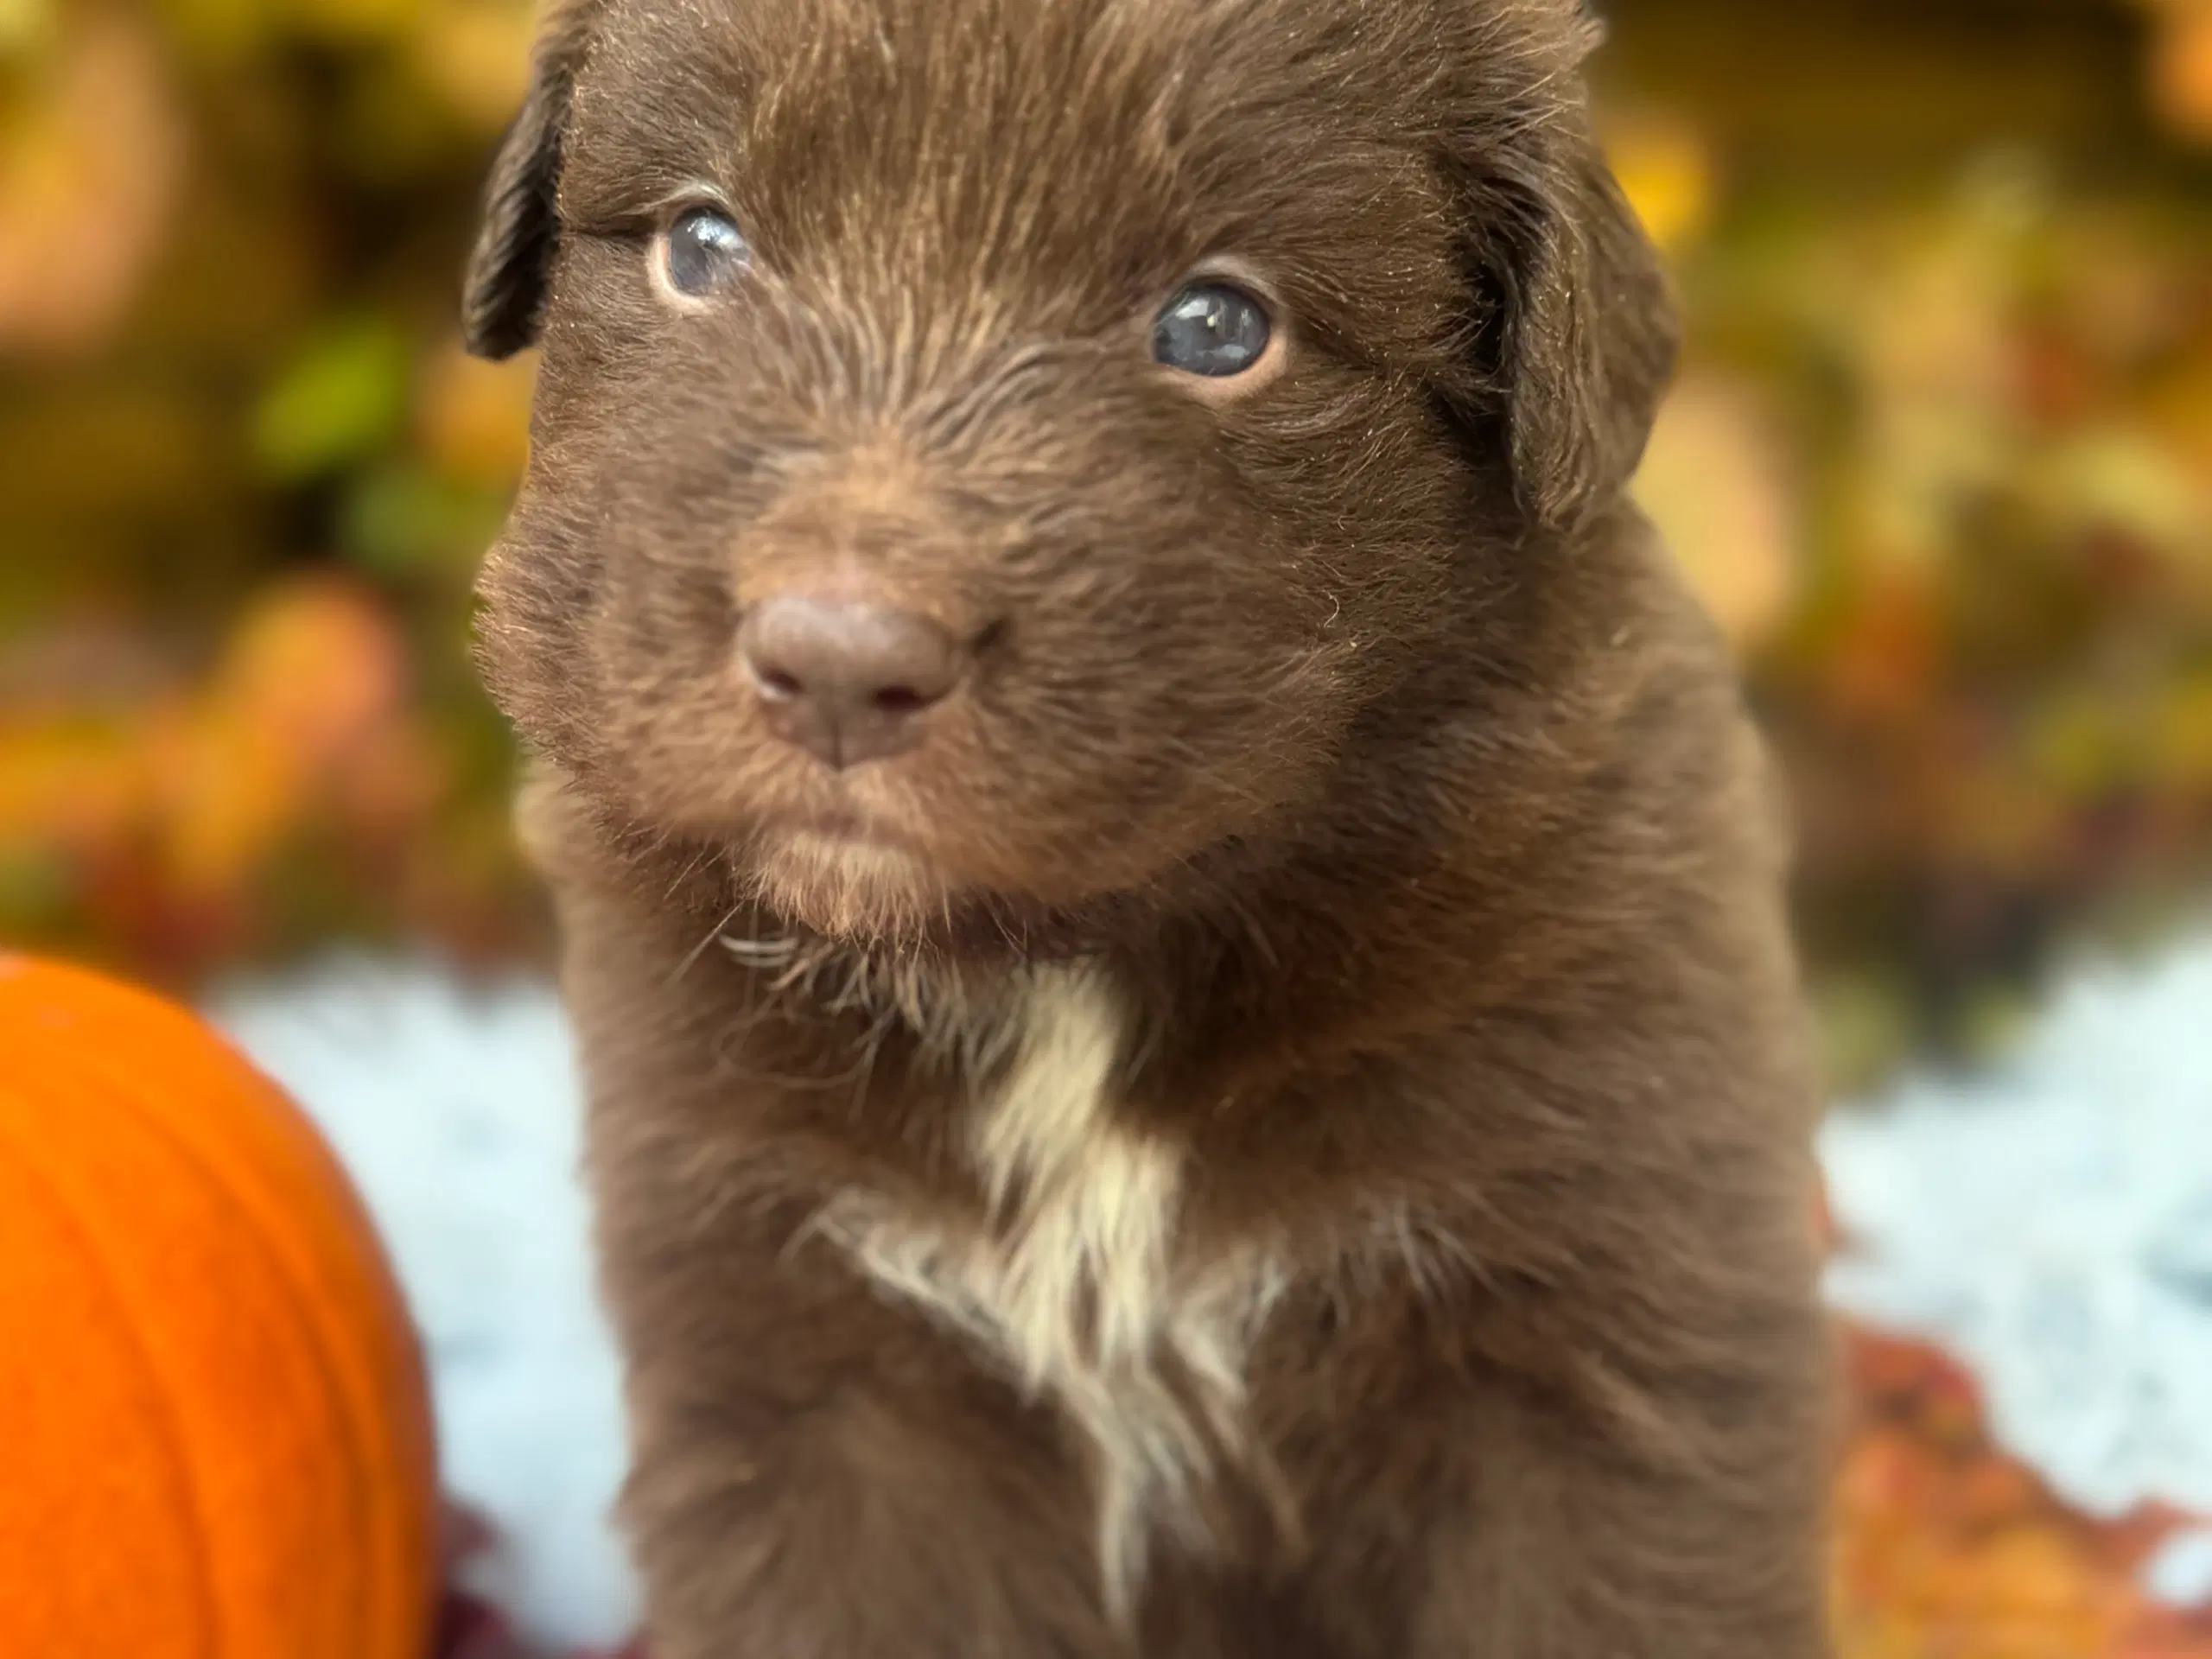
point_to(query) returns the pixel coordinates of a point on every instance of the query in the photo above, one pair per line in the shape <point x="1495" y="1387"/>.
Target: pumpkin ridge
<point x="70" y="1210"/>
<point x="364" y="1576"/>
<point x="377" y="1579"/>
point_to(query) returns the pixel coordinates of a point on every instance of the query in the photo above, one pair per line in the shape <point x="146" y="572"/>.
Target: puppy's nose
<point x="843" y="680"/>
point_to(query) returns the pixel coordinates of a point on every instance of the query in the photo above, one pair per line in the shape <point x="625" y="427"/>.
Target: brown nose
<point x="844" y="680"/>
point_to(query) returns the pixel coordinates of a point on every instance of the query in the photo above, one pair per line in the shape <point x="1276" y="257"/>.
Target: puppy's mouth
<point x="848" y="876"/>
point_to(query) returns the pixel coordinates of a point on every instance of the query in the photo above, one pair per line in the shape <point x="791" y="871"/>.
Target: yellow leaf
<point x="88" y="178"/>
<point x="1666" y="170"/>
<point x="475" y="55"/>
<point x="228" y="790"/>
<point x="1714" y="485"/>
<point x="2180" y="70"/>
<point x="69" y="783"/>
<point x="473" y="416"/>
<point x="25" y="26"/>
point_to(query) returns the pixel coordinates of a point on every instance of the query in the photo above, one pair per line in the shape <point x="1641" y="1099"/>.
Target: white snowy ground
<point x="455" y="1110"/>
<point x="2049" y="1221"/>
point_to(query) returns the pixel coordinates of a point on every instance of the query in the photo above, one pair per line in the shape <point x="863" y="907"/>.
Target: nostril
<point x="777" y="684"/>
<point x="901" y="700"/>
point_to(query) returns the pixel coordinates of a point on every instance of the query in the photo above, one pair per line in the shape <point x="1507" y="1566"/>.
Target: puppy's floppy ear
<point x="1578" y="331"/>
<point x="1590" y="338"/>
<point x="503" y="290"/>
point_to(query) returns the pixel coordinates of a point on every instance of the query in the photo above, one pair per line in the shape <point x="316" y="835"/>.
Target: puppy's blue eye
<point x="704" y="251"/>
<point x="1210" y="329"/>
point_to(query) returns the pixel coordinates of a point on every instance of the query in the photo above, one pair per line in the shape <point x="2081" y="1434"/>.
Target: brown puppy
<point x="1173" y="919"/>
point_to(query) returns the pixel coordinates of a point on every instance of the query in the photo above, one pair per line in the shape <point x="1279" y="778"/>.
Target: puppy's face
<point x="996" y="450"/>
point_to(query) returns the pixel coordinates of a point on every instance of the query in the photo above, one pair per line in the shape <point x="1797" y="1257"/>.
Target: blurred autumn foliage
<point x="1939" y="459"/>
<point x="245" y="472"/>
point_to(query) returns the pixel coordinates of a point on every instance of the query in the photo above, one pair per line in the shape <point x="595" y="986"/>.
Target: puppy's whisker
<point x="760" y="953"/>
<point x="691" y="956"/>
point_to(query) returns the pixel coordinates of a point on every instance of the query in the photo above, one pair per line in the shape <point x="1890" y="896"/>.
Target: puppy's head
<point x="997" y="451"/>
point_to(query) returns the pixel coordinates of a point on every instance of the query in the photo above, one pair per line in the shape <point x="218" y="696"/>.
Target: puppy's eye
<point x="1212" y="329"/>
<point x="703" y="252"/>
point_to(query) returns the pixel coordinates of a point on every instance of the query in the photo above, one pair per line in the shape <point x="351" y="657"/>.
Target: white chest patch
<point x="1075" y="1286"/>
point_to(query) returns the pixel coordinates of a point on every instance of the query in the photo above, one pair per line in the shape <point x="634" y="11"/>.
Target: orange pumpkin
<point x="215" y="1433"/>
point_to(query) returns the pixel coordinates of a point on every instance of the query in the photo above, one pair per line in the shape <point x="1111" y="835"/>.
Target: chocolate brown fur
<point x="1285" y="1136"/>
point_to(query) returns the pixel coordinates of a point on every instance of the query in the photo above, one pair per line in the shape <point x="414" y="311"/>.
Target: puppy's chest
<point x="1079" y="1281"/>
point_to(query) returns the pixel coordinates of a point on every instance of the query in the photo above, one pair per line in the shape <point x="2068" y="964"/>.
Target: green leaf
<point x="403" y="520"/>
<point x="342" y="396"/>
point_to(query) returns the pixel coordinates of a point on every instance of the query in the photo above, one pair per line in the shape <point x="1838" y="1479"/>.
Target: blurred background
<point x="1941" y="459"/>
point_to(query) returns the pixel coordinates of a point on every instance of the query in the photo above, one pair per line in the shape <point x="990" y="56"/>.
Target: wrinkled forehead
<point x="1127" y="138"/>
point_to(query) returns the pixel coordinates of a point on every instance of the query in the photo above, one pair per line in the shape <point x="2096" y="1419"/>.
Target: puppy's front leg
<point x="817" y="1473"/>
<point x="815" y="1478"/>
